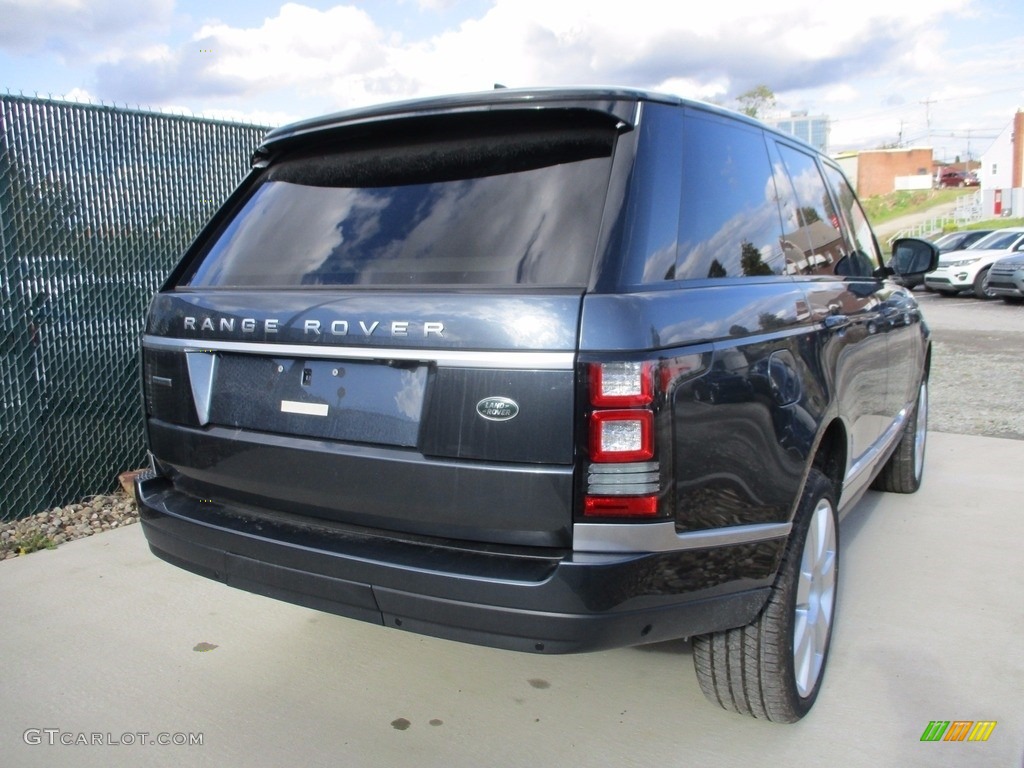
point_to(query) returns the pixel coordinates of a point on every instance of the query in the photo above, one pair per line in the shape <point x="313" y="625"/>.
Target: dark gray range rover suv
<point x="551" y="370"/>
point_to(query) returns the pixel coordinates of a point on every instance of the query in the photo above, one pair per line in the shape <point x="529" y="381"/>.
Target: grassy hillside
<point x="882" y="208"/>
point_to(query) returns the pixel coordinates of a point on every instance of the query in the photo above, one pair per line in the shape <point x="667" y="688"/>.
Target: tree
<point x="751" y="262"/>
<point x="807" y="215"/>
<point x="756" y="101"/>
<point x="717" y="270"/>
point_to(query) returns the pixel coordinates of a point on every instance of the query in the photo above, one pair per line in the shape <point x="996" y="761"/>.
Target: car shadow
<point x="861" y="515"/>
<point x="678" y="647"/>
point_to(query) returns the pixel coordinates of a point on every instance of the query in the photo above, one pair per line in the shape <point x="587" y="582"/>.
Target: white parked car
<point x="969" y="269"/>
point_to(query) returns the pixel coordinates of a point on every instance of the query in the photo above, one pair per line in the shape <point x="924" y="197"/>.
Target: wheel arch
<point x="830" y="454"/>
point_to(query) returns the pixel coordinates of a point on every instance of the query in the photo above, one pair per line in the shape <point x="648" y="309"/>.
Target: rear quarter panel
<point x="747" y="391"/>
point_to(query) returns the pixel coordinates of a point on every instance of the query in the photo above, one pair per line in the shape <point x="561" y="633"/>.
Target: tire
<point x="947" y="294"/>
<point x="981" y="289"/>
<point x="773" y="667"/>
<point x="905" y="468"/>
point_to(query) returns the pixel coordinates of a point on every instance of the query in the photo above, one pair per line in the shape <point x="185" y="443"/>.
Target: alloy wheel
<point x="815" y="598"/>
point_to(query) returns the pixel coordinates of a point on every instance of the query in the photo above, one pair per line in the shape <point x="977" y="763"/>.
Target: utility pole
<point x="928" y="118"/>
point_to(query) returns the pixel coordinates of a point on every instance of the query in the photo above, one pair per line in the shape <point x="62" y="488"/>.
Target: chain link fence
<point x="97" y="204"/>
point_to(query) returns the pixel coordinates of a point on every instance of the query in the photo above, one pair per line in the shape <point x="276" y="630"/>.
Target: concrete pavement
<point x="99" y="637"/>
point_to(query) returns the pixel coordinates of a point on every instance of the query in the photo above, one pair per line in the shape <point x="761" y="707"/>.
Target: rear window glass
<point x="510" y="203"/>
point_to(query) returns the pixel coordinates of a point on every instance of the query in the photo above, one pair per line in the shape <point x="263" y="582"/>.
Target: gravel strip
<point x="46" y="530"/>
<point x="977" y="366"/>
<point x="976" y="384"/>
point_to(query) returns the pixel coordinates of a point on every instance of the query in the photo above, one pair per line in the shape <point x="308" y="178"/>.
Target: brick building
<point x="875" y="171"/>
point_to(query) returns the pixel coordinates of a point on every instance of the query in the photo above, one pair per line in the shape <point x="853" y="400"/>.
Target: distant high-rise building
<point x="813" y="130"/>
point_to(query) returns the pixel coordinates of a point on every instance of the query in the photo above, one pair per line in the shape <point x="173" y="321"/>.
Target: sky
<point x="942" y="73"/>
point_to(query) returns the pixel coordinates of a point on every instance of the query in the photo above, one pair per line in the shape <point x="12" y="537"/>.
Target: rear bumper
<point x="527" y="599"/>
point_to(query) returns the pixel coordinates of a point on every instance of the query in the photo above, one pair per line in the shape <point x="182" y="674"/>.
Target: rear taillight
<point x="620" y="506"/>
<point x="622" y="435"/>
<point x="623" y="478"/>
<point x="621" y="384"/>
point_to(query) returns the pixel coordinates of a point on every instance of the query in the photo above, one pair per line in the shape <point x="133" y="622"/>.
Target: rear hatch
<point x="380" y="329"/>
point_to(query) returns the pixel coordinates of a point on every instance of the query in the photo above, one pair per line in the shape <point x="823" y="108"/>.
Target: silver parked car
<point x="1006" y="278"/>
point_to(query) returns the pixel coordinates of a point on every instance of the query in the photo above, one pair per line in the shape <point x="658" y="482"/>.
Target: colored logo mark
<point x="958" y="730"/>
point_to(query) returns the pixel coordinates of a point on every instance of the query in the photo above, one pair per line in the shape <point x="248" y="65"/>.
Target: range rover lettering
<point x="551" y="371"/>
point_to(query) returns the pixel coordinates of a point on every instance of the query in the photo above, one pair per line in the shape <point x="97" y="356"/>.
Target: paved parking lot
<point x="100" y="637"/>
<point x="101" y="641"/>
<point x="966" y="313"/>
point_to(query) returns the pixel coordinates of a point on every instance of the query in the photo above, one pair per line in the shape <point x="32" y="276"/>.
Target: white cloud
<point x="437" y="5"/>
<point x="342" y="57"/>
<point x="299" y="44"/>
<point x="300" y="61"/>
<point x="75" y="28"/>
<point x="843" y="93"/>
<point x="80" y="95"/>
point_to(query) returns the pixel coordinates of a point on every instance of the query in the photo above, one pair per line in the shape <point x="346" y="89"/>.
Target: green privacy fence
<point x="97" y="203"/>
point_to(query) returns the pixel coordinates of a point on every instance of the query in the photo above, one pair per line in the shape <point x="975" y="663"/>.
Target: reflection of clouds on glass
<point x="536" y="226"/>
<point x="789" y="207"/>
<point x="269" y="249"/>
<point x="757" y="226"/>
<point x="365" y="210"/>
<point x="495" y="225"/>
<point x="729" y="220"/>
<point x="809" y="186"/>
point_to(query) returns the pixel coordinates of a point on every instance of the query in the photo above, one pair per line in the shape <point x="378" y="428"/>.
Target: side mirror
<point x="911" y="256"/>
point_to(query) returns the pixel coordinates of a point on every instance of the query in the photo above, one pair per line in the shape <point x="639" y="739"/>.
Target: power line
<point x="906" y="105"/>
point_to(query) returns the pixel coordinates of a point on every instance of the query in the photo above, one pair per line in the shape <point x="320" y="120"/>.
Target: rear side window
<point x="498" y="200"/>
<point x="814" y="239"/>
<point x="729" y="223"/>
<point x="863" y="248"/>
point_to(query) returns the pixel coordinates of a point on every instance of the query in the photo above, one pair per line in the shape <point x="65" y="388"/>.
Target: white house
<point x="1002" y="172"/>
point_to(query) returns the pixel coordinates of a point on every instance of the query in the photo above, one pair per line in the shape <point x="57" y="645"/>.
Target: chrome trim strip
<point x="631" y="468"/>
<point x="868" y="458"/>
<point x="541" y="361"/>
<point x="663" y="537"/>
<point x="626" y="489"/>
<point x="200" y="375"/>
<point x="631" y="477"/>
